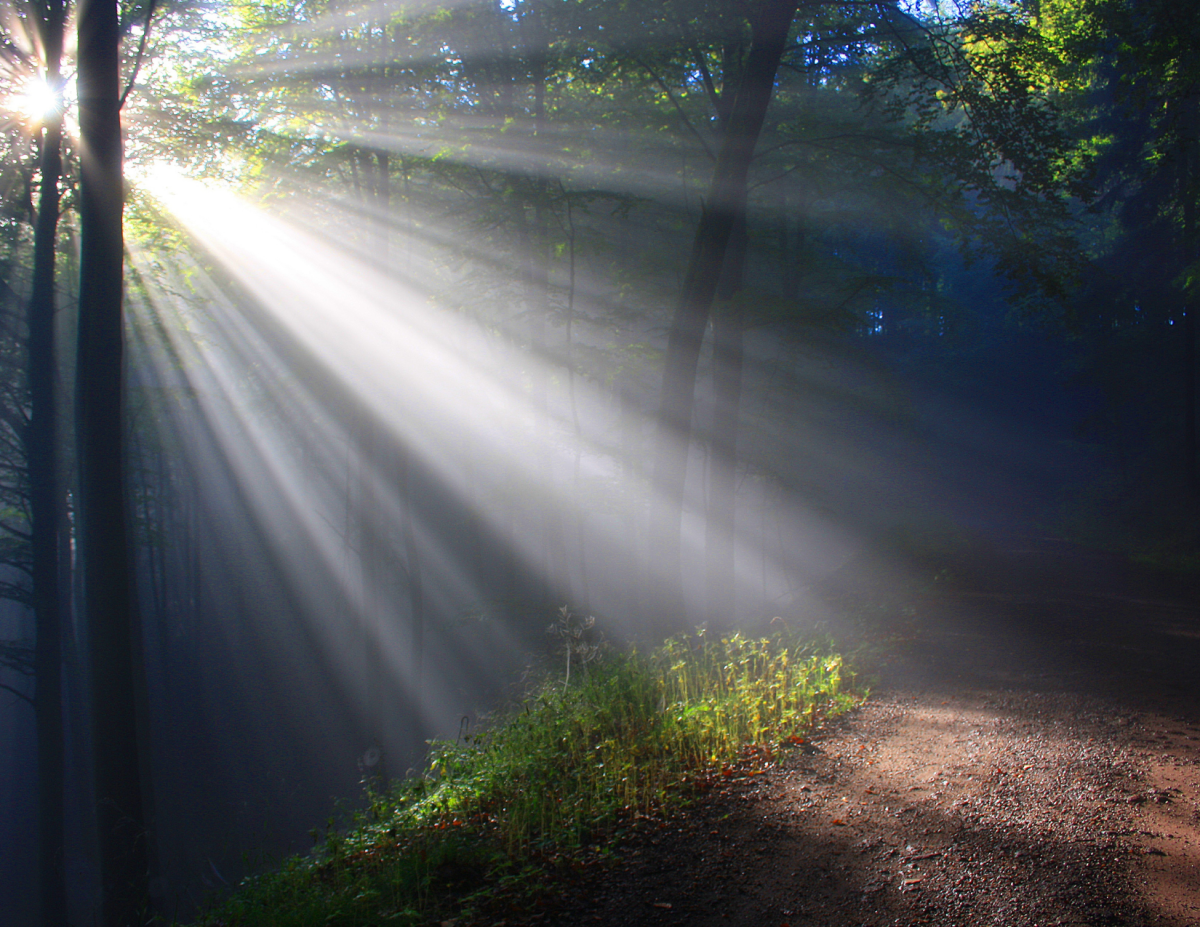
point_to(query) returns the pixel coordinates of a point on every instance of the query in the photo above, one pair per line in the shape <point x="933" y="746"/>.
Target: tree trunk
<point x="1189" y="171"/>
<point x="726" y="202"/>
<point x="727" y="391"/>
<point x="41" y="447"/>
<point x="104" y="547"/>
<point x="375" y="554"/>
<point x="554" y="583"/>
<point x="416" y="589"/>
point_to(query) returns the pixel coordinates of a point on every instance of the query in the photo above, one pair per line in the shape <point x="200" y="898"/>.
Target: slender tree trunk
<point x="580" y="516"/>
<point x="1189" y="174"/>
<point x="104" y="540"/>
<point x="726" y="202"/>
<point x="555" y="585"/>
<point x="727" y="392"/>
<point x="375" y="546"/>
<point x="1189" y="331"/>
<point x="1190" y="387"/>
<point x="416" y="589"/>
<point x="41" y="446"/>
<point x="412" y="546"/>
<point x="373" y="556"/>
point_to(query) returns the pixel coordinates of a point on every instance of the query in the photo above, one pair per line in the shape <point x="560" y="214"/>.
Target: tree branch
<point x="137" y="62"/>
<point x="687" y="123"/>
<point x="19" y="694"/>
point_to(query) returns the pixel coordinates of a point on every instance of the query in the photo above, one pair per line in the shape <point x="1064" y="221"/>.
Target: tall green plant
<point x="635" y="734"/>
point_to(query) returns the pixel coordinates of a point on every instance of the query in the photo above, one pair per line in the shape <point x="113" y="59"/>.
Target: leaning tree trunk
<point x="726" y="203"/>
<point x="103" y="539"/>
<point x="41" y="448"/>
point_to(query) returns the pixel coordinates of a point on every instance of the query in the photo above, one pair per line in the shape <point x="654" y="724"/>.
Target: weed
<point x="631" y="736"/>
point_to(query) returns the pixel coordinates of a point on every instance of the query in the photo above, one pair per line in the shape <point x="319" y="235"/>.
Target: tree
<point x="41" y="444"/>
<point x="1121" y="77"/>
<point x="103" y="538"/>
<point x="770" y="25"/>
<point x="1146" y="95"/>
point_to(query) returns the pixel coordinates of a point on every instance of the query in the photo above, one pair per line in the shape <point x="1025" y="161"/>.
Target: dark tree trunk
<point x="1188" y="181"/>
<point x="726" y="203"/>
<point x="41" y="445"/>
<point x="1189" y="327"/>
<point x="1190" y="388"/>
<point x="633" y="480"/>
<point x="416" y="590"/>
<point x="722" y="457"/>
<point x="103" y="539"/>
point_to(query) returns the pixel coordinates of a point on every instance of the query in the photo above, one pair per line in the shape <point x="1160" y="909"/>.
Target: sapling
<point x="578" y="645"/>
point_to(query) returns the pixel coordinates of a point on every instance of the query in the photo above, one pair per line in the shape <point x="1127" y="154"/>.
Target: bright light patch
<point x="35" y="101"/>
<point x="165" y="181"/>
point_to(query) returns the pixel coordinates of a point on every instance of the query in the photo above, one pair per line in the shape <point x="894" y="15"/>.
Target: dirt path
<point x="1031" y="757"/>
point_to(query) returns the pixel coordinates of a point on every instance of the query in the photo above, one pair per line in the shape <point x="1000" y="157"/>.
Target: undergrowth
<point x="632" y="734"/>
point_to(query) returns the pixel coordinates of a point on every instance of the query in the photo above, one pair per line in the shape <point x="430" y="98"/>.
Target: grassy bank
<point x="560" y="773"/>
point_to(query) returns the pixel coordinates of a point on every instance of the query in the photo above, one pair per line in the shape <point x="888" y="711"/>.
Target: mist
<point x="402" y="293"/>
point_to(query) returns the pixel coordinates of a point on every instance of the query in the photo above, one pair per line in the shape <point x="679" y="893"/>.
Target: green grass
<point x="632" y="734"/>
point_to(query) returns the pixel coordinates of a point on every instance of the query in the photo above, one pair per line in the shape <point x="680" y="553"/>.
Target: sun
<point x="35" y="101"/>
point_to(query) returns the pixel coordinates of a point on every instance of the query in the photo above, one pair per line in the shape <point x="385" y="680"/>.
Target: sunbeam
<point x="472" y="341"/>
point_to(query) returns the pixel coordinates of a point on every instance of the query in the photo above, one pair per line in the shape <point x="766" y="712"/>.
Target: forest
<point x="368" y="365"/>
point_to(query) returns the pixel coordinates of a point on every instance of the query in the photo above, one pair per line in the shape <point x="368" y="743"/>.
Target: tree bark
<point x="104" y="540"/>
<point x="41" y="447"/>
<point x="726" y="202"/>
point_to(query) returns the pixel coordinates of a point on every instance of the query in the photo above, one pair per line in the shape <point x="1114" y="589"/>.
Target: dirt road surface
<point x="1030" y="755"/>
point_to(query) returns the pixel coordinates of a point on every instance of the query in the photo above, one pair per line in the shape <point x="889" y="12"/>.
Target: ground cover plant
<point x="558" y="776"/>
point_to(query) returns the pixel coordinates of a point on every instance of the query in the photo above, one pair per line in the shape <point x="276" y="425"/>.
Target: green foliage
<point x="636" y="734"/>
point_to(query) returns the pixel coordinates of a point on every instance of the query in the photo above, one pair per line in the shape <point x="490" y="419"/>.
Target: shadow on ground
<point x="1033" y="703"/>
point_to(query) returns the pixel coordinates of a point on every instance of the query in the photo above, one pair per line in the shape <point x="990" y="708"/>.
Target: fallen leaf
<point x="838" y="822"/>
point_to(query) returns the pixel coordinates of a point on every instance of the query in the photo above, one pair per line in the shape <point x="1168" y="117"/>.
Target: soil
<point x="1029" y="755"/>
